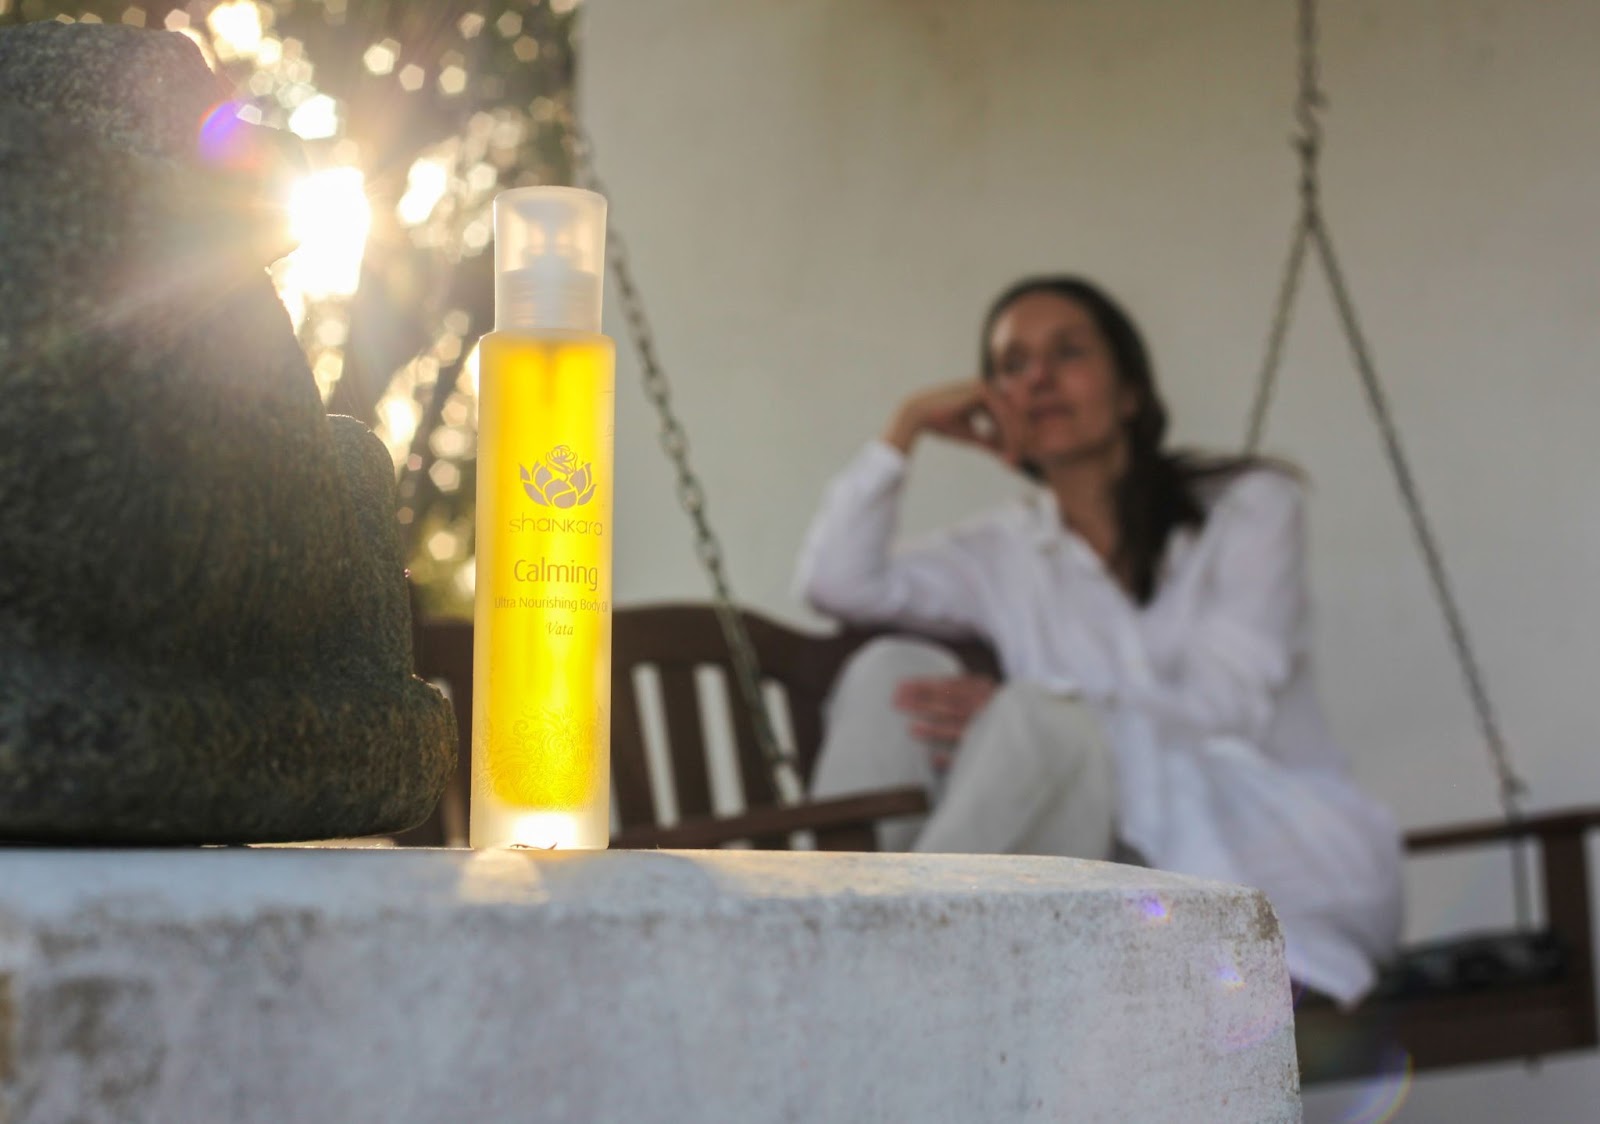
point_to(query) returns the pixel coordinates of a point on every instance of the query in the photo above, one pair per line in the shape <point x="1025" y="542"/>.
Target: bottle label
<point x="567" y="581"/>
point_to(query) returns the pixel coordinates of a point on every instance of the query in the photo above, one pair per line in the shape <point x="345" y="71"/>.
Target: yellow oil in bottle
<point x="542" y="614"/>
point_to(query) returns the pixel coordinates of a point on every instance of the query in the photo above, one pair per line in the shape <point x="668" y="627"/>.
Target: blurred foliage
<point x="428" y="109"/>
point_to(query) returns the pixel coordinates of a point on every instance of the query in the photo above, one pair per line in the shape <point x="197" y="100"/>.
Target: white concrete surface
<point x="822" y="195"/>
<point x="393" y="986"/>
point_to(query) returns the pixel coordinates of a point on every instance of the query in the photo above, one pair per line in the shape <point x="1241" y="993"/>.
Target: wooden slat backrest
<point x="676" y="640"/>
<point x="685" y="730"/>
<point x="630" y="771"/>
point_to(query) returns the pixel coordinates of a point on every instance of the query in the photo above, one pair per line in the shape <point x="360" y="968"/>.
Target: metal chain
<point x="691" y="493"/>
<point x="1308" y="144"/>
<point x="1267" y="381"/>
<point x="1310" y="226"/>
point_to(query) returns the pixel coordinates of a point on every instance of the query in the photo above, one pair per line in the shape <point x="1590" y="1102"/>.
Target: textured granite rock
<point x="204" y="631"/>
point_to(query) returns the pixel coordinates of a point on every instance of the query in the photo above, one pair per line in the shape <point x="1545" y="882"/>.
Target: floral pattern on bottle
<point x="546" y="758"/>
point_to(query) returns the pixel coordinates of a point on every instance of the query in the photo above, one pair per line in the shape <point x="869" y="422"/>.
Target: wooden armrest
<point x="844" y="811"/>
<point x="1568" y="821"/>
<point x="1563" y="871"/>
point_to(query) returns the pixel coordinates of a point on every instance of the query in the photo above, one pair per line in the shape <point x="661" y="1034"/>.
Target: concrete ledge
<point x="317" y="985"/>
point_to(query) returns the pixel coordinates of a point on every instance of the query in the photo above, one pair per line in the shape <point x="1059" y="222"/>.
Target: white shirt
<point x="1225" y="767"/>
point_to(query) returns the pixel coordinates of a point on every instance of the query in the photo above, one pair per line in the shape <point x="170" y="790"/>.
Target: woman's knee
<point x="1057" y="731"/>
<point x="882" y="664"/>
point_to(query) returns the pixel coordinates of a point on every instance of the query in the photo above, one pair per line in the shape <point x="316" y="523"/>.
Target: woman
<point x="1151" y="614"/>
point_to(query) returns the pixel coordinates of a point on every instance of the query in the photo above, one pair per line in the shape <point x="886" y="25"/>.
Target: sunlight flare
<point x="329" y="216"/>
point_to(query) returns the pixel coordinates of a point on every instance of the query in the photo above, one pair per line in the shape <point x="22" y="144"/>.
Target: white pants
<point x="1031" y="775"/>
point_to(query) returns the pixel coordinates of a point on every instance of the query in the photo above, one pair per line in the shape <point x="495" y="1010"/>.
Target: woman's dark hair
<point x="1157" y="493"/>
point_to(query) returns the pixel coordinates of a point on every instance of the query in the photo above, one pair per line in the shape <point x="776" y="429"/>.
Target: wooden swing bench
<point x="1506" y="996"/>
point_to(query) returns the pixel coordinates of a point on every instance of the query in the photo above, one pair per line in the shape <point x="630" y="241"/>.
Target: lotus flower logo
<point x="558" y="480"/>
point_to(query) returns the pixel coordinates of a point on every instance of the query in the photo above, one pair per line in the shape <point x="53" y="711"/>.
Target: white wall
<point x="822" y="195"/>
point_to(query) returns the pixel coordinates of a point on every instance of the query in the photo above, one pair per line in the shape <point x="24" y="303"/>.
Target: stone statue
<point x="204" y="627"/>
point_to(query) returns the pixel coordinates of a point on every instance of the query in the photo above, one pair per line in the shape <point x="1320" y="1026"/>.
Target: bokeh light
<point x="426" y="184"/>
<point x="381" y="57"/>
<point x="315" y="118"/>
<point x="236" y="29"/>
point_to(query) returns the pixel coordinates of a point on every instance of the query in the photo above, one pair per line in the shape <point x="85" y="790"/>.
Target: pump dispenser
<point x="549" y="257"/>
<point x="542" y="604"/>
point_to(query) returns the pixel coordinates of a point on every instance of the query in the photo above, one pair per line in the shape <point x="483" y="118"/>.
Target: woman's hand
<point x="940" y="708"/>
<point x="969" y="411"/>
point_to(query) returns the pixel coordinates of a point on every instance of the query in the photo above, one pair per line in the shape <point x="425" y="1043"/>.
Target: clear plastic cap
<point x="549" y="259"/>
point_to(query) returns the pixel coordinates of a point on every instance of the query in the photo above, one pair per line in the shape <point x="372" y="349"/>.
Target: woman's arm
<point x="1252" y="624"/>
<point x="847" y="567"/>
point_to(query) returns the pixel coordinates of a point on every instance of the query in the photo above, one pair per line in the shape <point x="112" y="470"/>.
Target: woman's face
<point x="1054" y="368"/>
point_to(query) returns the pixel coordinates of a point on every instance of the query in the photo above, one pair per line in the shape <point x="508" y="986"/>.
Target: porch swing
<point x="1524" y="993"/>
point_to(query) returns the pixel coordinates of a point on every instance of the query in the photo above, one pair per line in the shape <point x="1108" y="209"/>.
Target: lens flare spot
<point x="1379" y="1100"/>
<point x="221" y="134"/>
<point x="1227" y="974"/>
